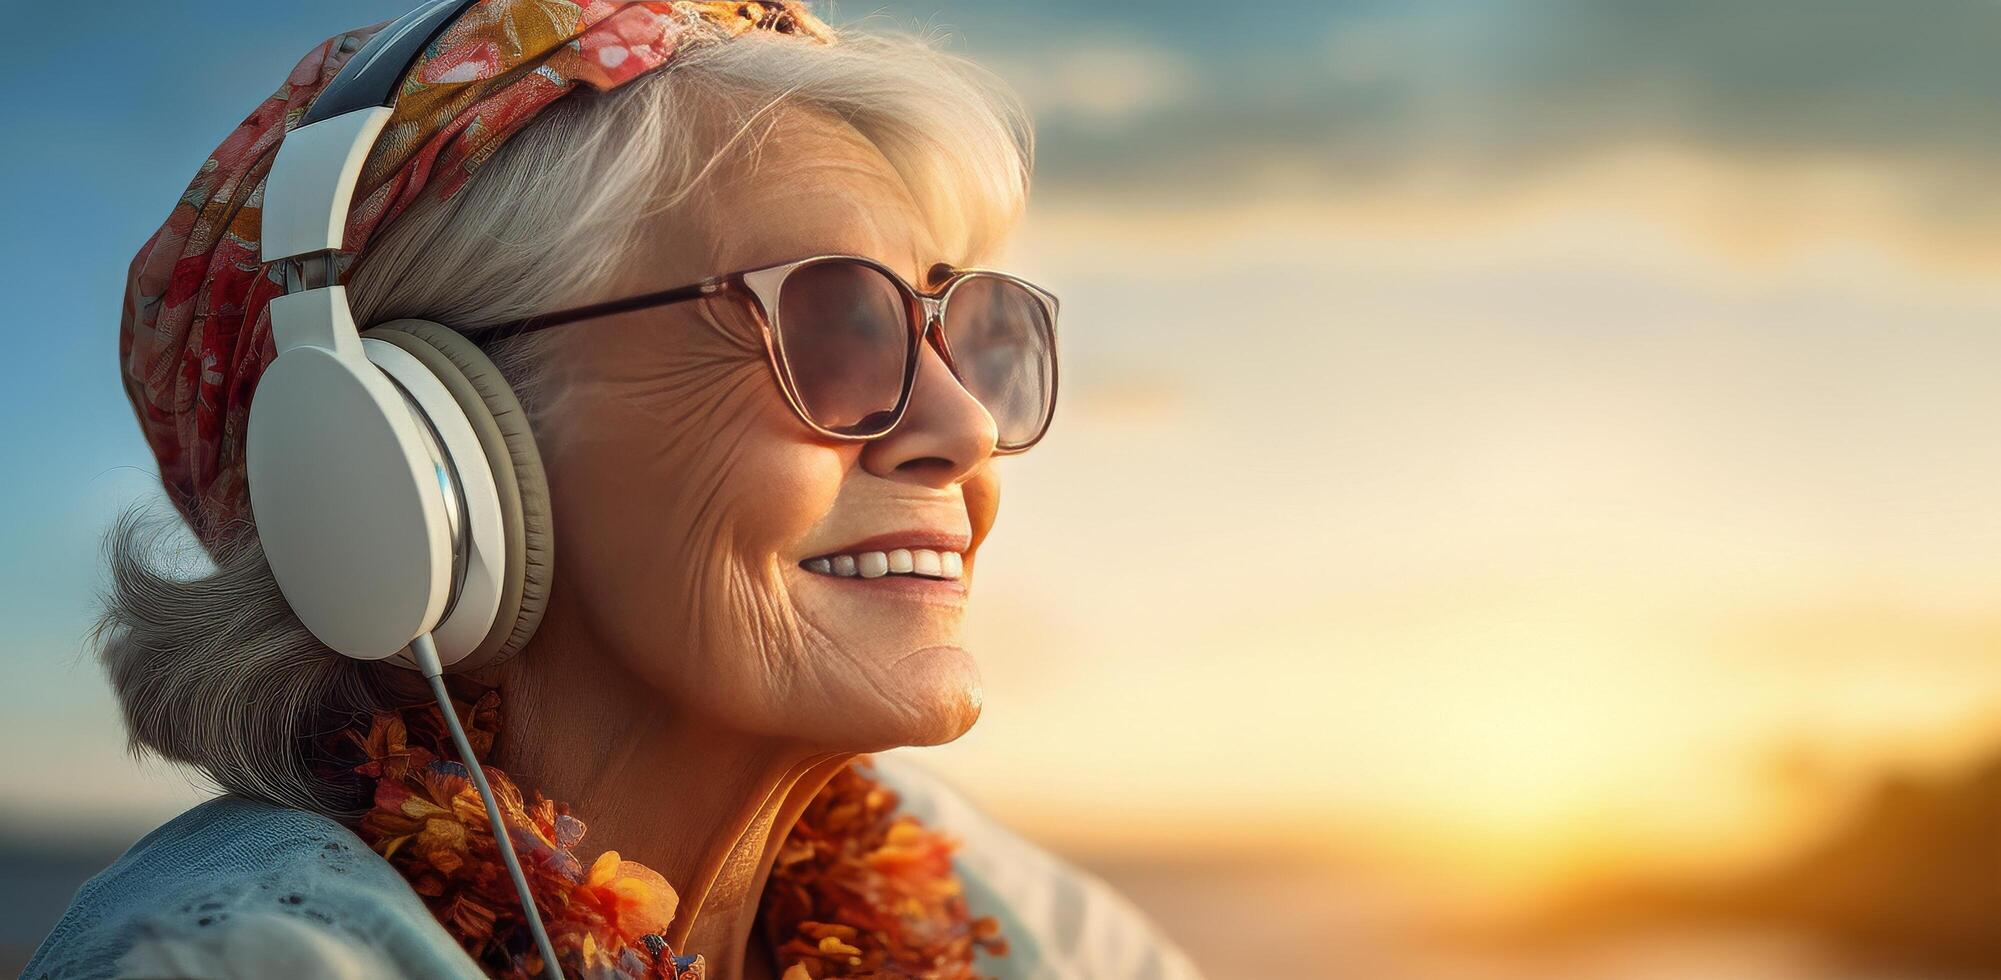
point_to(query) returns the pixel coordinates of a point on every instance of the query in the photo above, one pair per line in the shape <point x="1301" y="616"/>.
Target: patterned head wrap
<point x="195" y="332"/>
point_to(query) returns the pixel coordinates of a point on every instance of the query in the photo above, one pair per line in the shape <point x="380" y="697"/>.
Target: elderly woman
<point x="751" y="514"/>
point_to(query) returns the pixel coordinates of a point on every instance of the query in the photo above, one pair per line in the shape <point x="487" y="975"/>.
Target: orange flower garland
<point x="857" y="890"/>
<point x="860" y="890"/>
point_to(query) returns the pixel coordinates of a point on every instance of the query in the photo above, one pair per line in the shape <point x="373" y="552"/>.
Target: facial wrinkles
<point x="736" y="602"/>
<point x="740" y="577"/>
<point x="733" y="589"/>
<point x="681" y="395"/>
<point x="739" y="580"/>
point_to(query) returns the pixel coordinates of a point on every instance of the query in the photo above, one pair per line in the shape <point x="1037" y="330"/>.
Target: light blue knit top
<point x="235" y="888"/>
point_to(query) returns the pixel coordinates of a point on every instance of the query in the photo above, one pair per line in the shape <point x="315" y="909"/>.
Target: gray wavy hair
<point x="211" y="668"/>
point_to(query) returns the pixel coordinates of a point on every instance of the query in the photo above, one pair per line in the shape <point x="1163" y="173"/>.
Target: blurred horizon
<point x="1520" y="462"/>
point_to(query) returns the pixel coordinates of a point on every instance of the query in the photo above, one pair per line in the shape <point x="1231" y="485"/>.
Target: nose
<point x="945" y="433"/>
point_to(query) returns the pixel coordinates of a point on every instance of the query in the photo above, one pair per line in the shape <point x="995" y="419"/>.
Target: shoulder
<point x="239" y="888"/>
<point x="1059" y="920"/>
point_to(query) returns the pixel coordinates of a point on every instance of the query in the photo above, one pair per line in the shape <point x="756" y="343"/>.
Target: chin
<point x="931" y="697"/>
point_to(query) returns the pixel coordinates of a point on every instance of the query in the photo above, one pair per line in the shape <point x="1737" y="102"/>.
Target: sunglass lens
<point x="844" y="330"/>
<point x="1003" y="347"/>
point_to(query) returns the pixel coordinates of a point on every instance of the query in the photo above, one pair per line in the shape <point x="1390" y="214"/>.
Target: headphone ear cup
<point x="502" y="427"/>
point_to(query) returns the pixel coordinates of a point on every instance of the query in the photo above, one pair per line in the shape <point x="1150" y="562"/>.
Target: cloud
<point x="1098" y="82"/>
<point x="1354" y="92"/>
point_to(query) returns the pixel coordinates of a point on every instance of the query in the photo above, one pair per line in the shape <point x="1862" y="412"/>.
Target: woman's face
<point x="687" y="494"/>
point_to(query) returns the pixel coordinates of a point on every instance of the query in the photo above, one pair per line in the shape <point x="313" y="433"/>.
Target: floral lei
<point x="857" y="889"/>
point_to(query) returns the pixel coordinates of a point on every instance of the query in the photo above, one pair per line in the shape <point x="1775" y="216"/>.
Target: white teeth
<point x="901" y="561"/>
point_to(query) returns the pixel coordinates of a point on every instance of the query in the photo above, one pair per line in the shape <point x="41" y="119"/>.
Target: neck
<point x="701" y="804"/>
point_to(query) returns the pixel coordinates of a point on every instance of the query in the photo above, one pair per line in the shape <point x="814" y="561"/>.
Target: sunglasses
<point x="844" y="335"/>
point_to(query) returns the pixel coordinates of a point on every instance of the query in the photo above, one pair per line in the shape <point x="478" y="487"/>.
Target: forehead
<point x="799" y="184"/>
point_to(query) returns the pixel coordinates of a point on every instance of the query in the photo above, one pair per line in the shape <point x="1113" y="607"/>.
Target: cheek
<point x="691" y="449"/>
<point x="780" y="487"/>
<point x="677" y="498"/>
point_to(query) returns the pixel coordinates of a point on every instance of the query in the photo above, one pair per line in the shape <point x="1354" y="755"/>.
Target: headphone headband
<point x="372" y="76"/>
<point x="312" y="181"/>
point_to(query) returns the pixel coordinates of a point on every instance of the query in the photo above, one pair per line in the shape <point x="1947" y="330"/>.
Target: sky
<point x="1497" y="434"/>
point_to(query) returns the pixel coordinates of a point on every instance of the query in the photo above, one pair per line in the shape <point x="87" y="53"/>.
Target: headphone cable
<point x="426" y="653"/>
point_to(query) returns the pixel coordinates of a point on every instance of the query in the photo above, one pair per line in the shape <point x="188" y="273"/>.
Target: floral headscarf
<point x="195" y="332"/>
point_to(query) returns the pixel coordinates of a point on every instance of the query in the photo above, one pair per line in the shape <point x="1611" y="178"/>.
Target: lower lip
<point x="899" y="585"/>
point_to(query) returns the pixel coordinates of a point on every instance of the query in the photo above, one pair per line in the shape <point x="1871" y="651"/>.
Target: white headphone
<point x="396" y="488"/>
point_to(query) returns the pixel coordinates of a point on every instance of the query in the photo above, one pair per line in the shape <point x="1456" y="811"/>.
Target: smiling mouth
<point x="900" y="562"/>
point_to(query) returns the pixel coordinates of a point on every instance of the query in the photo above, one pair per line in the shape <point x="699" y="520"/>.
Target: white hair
<point x="213" y="670"/>
<point x="954" y="135"/>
